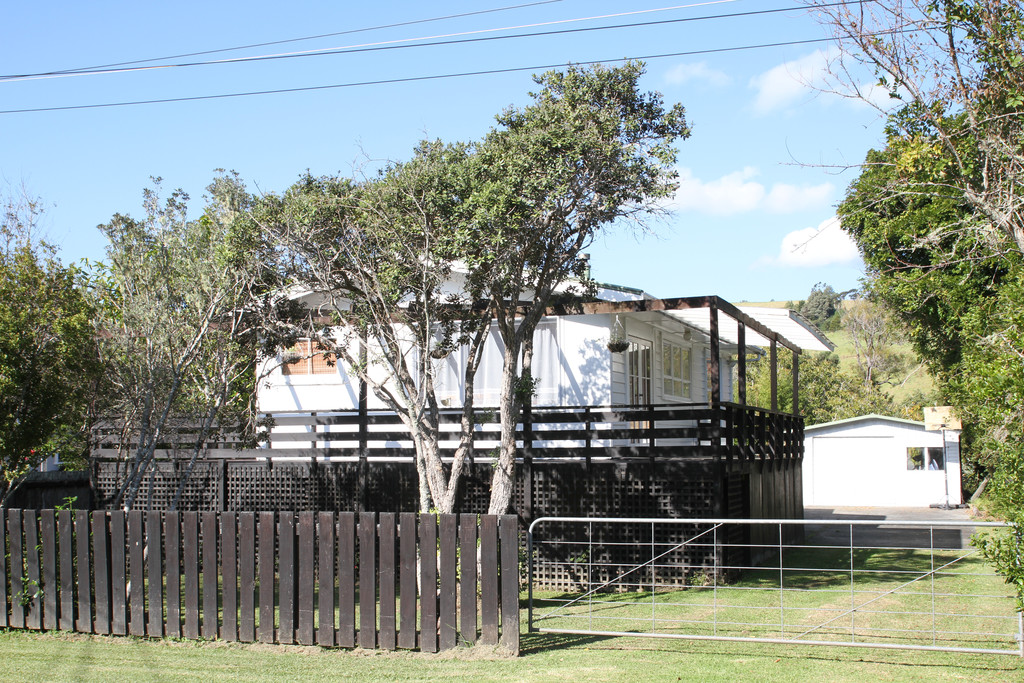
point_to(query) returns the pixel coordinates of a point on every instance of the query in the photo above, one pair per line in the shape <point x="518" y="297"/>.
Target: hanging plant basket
<point x="438" y="354"/>
<point x="617" y="345"/>
<point x="617" y="342"/>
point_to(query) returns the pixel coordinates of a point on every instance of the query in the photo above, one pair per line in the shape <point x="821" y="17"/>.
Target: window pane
<point x="915" y="458"/>
<point x="685" y="374"/>
<point x="936" y="459"/>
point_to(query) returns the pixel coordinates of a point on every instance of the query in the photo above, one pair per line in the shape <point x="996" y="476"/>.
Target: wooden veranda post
<point x="774" y="363"/>
<point x="796" y="382"/>
<point x="714" y="365"/>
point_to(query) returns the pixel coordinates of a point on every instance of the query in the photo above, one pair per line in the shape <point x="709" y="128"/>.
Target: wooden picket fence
<point x="369" y="580"/>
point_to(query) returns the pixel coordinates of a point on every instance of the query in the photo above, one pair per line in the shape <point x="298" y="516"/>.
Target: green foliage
<point x="48" y="360"/>
<point x="826" y="392"/>
<point x="184" y="304"/>
<point x="821" y="304"/>
<point x="937" y="215"/>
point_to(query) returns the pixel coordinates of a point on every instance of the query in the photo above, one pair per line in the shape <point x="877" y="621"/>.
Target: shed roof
<point x="863" y="418"/>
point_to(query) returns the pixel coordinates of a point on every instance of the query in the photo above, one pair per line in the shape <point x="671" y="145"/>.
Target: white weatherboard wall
<point x="863" y="462"/>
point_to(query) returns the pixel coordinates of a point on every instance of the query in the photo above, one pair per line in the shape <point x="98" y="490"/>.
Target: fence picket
<point x="48" y="546"/>
<point x="155" y="574"/>
<point x="467" y="577"/>
<point x="346" y="527"/>
<point x="211" y="602"/>
<point x="83" y="617"/>
<point x="30" y="524"/>
<point x="101" y="571"/>
<point x="118" y="584"/>
<point x="172" y="551"/>
<point x="325" y="589"/>
<point x="287" y="605"/>
<point x="14" y="521"/>
<point x="488" y="580"/>
<point x="3" y="571"/>
<point x="367" y="580"/>
<point x="229" y="574"/>
<point x="265" y="630"/>
<point x="307" y="586"/>
<point x="407" y="580"/>
<point x="190" y="568"/>
<point x="508" y="531"/>
<point x="428" y="582"/>
<point x="448" y="603"/>
<point x="246" y="576"/>
<point x="386" y="578"/>
<point x="65" y="544"/>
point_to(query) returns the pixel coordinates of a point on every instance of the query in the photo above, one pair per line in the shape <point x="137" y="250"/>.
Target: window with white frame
<point x="308" y="358"/>
<point x="925" y="458"/>
<point x="675" y="370"/>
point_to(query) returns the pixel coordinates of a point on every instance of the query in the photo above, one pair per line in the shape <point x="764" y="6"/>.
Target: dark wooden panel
<point x="448" y="603"/>
<point x="246" y="576"/>
<point x="367" y="580"/>
<point x="211" y="601"/>
<point x="467" y="577"/>
<point x="83" y="617"/>
<point x="118" y="578"/>
<point x="3" y="570"/>
<point x="265" y="632"/>
<point x="428" y="583"/>
<point x="15" y="550"/>
<point x="325" y="586"/>
<point x="65" y="545"/>
<point x="33" y="570"/>
<point x="190" y="568"/>
<point x="136" y="575"/>
<point x="172" y="554"/>
<point x="407" y="580"/>
<point x="229" y="574"/>
<point x="346" y="528"/>
<point x="508" y="530"/>
<point x="287" y="603"/>
<point x="101" y="571"/>
<point x="388" y="631"/>
<point x="307" y="586"/>
<point x="489" y="580"/>
<point x="48" y="545"/>
<point x="155" y="573"/>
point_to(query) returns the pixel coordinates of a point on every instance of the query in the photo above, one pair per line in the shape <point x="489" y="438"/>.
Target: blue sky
<point x="753" y="219"/>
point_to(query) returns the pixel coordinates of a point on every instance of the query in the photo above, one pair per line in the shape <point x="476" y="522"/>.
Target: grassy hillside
<point x="916" y="378"/>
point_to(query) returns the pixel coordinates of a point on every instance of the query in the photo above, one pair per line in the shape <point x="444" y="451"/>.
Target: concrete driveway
<point x="891" y="534"/>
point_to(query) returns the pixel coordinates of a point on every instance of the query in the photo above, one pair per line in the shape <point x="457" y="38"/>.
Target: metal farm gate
<point x="862" y="583"/>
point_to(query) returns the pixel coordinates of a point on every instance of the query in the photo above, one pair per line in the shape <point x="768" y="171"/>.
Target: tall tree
<point x="591" y="149"/>
<point x="185" y="305"/>
<point x="938" y="212"/>
<point x="383" y="255"/>
<point x="48" y="360"/>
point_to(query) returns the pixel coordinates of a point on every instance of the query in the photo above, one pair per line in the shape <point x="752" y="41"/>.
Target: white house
<point x="668" y="358"/>
<point x="880" y="461"/>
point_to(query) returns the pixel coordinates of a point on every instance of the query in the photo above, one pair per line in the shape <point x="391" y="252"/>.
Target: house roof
<point x="791" y="331"/>
<point x="792" y="326"/>
<point x="863" y="418"/>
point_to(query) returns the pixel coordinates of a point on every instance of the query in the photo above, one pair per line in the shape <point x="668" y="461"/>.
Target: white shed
<point x="875" y="460"/>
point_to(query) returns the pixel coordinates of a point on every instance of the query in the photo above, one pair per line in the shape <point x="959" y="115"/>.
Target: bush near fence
<point x="271" y="577"/>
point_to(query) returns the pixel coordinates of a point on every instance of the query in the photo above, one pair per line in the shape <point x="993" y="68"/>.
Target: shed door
<point x="859" y="470"/>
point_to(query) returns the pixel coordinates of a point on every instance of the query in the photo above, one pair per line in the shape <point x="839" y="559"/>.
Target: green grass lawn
<point x="545" y="657"/>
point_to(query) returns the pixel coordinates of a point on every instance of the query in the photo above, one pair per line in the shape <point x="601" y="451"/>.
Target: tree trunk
<point x="503" y="481"/>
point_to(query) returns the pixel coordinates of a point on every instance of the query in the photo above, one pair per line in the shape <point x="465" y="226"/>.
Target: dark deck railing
<point x="726" y="431"/>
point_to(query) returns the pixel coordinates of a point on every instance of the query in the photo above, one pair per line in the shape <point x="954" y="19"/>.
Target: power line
<point x="410" y="42"/>
<point x="411" y="79"/>
<point x="304" y="38"/>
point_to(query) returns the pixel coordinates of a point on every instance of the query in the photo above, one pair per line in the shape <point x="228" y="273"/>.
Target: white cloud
<point x="783" y="85"/>
<point x="737" y="192"/>
<point x="696" y="71"/>
<point x="821" y="246"/>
